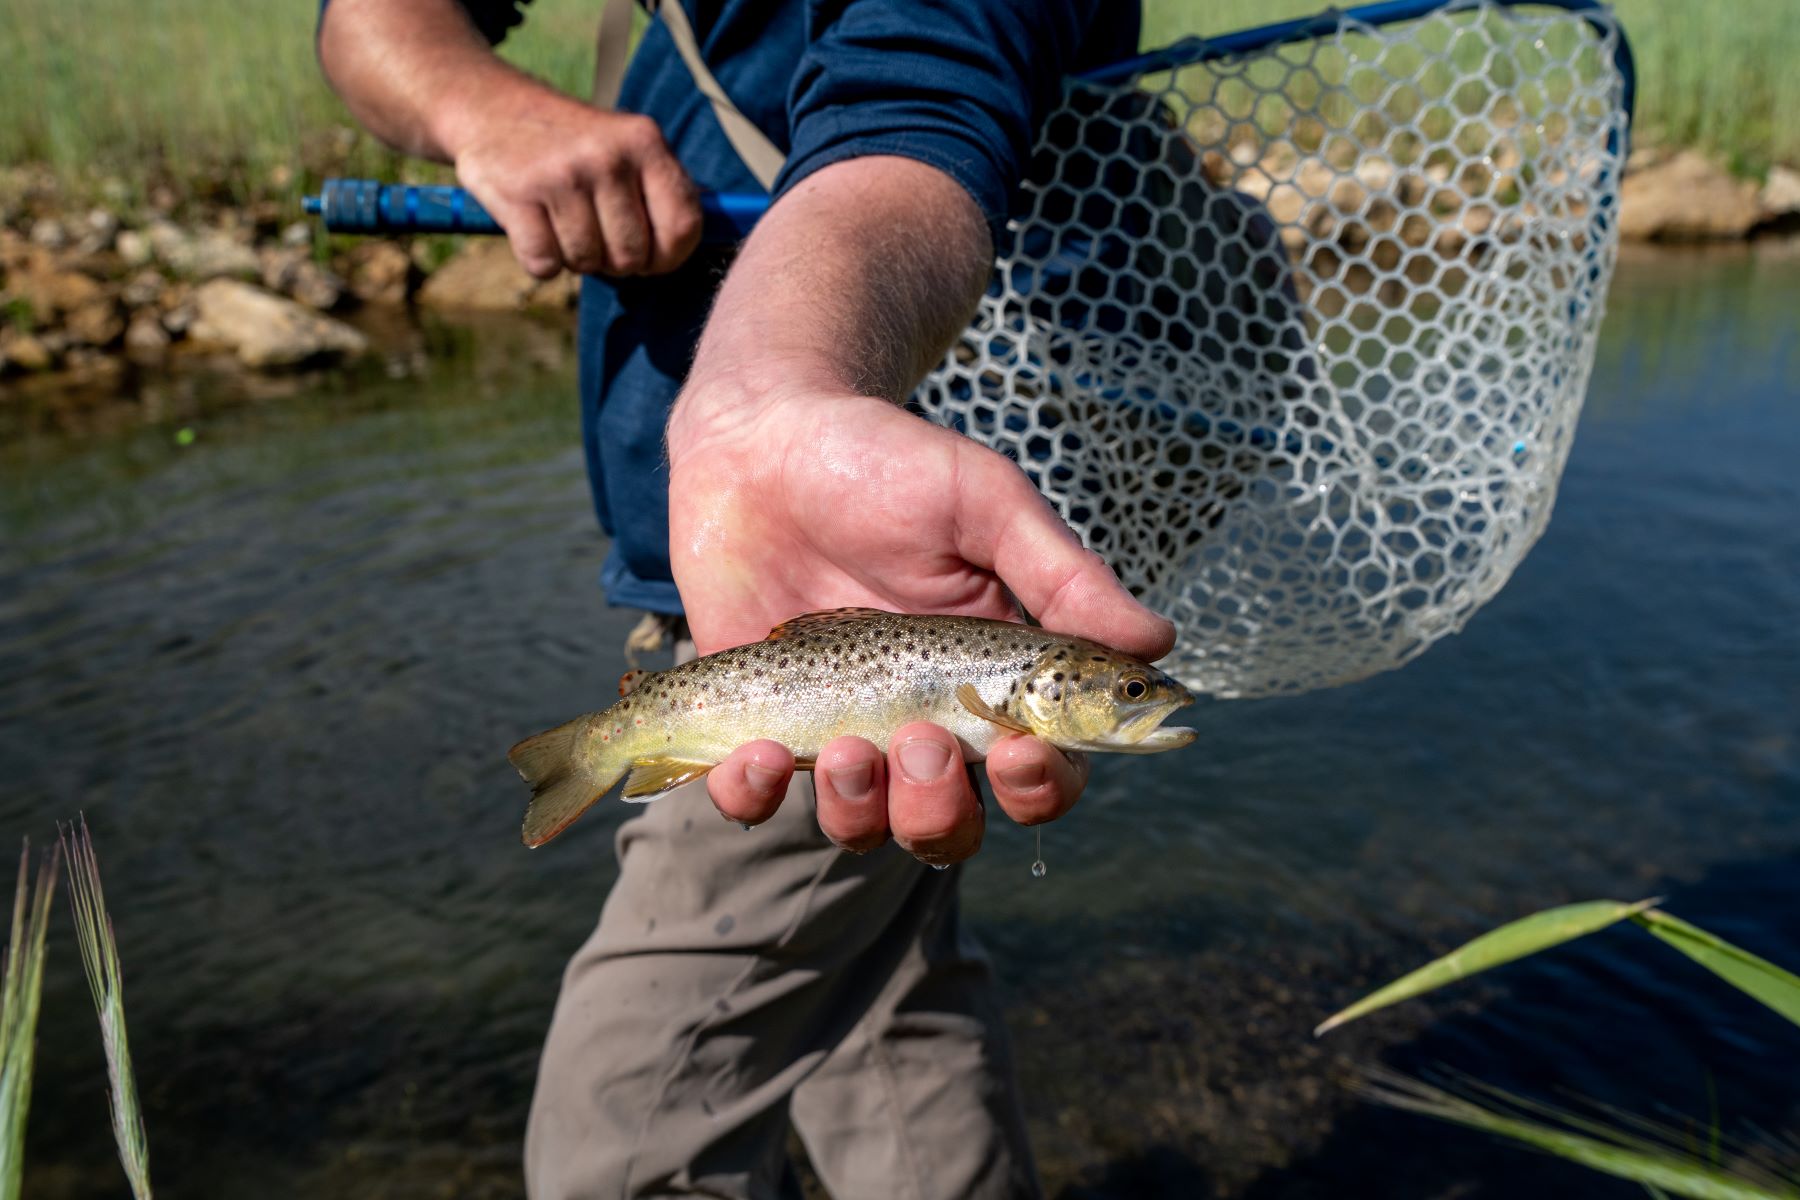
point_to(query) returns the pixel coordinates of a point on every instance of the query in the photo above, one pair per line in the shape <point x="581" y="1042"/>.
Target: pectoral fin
<point x="971" y="700"/>
<point x="651" y="777"/>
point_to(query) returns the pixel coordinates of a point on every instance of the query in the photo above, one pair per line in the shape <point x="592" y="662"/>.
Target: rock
<point x="266" y="330"/>
<point x="145" y="337"/>
<point x="279" y="265"/>
<point x="50" y="290"/>
<point x="381" y="273"/>
<point x="143" y="289"/>
<point x="98" y="230"/>
<point x="133" y="248"/>
<point x="484" y="275"/>
<point x="288" y="270"/>
<point x="297" y="234"/>
<point x="96" y="323"/>
<point x="20" y="351"/>
<point x="1686" y="198"/>
<point x="317" y="287"/>
<point x="1780" y="196"/>
<point x="49" y="233"/>
<point x="202" y="254"/>
<point x="179" y="318"/>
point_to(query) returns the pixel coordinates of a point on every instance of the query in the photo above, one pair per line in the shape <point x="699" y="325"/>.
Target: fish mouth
<point x="1146" y="734"/>
<point x="1172" y="737"/>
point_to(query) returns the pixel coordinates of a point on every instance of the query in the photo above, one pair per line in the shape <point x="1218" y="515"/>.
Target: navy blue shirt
<point x="958" y="84"/>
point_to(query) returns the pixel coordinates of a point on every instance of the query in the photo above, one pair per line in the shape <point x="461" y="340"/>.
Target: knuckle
<point x="640" y="134"/>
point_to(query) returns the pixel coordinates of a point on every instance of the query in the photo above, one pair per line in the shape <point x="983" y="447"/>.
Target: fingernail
<point x="853" y="783"/>
<point x="1023" y="777"/>
<point x="761" y="779"/>
<point x="923" y="760"/>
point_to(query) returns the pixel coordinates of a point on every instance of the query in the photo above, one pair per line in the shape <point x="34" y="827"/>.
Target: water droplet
<point x="1038" y="869"/>
<point x="745" y="826"/>
<point x="939" y="866"/>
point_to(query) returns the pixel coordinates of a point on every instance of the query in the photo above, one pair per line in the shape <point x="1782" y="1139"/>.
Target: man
<point x="740" y="981"/>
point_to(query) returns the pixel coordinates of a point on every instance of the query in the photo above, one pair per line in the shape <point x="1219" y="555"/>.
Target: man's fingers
<point x="748" y="785"/>
<point x="932" y="809"/>
<point x="1033" y="781"/>
<point x="620" y="205"/>
<point x="578" y="232"/>
<point x="851" y="781"/>
<point x="673" y="207"/>
<point x="533" y="241"/>
<point x="1003" y="523"/>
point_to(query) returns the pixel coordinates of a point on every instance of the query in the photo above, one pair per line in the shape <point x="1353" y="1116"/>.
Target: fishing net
<point x="1296" y="337"/>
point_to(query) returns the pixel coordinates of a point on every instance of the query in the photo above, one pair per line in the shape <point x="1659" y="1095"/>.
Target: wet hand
<point x="599" y="193"/>
<point x="794" y="500"/>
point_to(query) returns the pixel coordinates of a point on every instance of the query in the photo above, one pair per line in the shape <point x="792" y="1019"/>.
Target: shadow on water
<point x="279" y="668"/>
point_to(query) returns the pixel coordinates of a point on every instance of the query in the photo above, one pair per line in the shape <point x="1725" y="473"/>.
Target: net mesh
<point x="1297" y="339"/>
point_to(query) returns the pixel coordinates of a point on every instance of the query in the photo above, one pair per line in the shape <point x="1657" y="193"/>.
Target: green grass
<point x="100" y="962"/>
<point x="1660" y="1159"/>
<point x="214" y="93"/>
<point x="21" y="989"/>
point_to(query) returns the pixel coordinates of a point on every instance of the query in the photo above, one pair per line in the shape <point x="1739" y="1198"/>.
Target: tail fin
<point x="561" y="787"/>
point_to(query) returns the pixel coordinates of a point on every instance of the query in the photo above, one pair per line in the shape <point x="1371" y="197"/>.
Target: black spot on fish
<point x="1031" y="689"/>
<point x="1058" y="676"/>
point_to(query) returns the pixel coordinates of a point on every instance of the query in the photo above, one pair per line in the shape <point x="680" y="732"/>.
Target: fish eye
<point x="1134" y="687"/>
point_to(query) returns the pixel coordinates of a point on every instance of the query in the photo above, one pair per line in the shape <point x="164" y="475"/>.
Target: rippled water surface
<point x="279" y="668"/>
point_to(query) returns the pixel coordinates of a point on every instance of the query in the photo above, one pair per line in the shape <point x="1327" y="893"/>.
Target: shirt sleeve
<point x="494" y="18"/>
<point x="958" y="84"/>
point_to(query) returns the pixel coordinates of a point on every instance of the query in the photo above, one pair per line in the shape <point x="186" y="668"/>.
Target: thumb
<point x="1005" y="525"/>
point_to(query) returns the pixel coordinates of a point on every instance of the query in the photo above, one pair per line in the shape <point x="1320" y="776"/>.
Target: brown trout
<point x="854" y="671"/>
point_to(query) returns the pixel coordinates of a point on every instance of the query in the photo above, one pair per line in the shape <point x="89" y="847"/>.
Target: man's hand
<point x="599" y="193"/>
<point x="595" y="192"/>
<point x="796" y="484"/>
<point x="810" y="499"/>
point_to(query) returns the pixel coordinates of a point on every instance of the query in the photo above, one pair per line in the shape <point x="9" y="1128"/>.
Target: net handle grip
<point x="367" y="206"/>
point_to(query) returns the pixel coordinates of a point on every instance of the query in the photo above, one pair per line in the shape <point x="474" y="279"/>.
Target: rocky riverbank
<point x="87" y="290"/>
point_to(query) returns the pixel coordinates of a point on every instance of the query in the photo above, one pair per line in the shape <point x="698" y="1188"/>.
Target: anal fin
<point x="651" y="777"/>
<point x="971" y="700"/>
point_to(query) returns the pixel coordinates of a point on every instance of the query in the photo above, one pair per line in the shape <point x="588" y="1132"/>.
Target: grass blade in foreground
<point x="1755" y="977"/>
<point x="19" y="995"/>
<point x="1659" y="1165"/>
<point x="1528" y="935"/>
<point x="100" y="959"/>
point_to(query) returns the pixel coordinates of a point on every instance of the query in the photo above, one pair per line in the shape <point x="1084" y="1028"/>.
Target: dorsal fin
<point x="629" y="681"/>
<point x="971" y="700"/>
<point x="807" y="622"/>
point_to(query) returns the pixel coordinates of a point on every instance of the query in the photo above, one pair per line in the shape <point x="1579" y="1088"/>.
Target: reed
<point x="100" y="962"/>
<point x="20" y="992"/>
<point x="1637" y="1150"/>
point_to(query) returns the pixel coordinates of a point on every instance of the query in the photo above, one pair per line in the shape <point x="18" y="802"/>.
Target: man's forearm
<point x="856" y="281"/>
<point x="409" y="70"/>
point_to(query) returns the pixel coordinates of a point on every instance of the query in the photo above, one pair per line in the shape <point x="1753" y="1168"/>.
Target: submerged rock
<point x="1686" y="197"/>
<point x="266" y="330"/>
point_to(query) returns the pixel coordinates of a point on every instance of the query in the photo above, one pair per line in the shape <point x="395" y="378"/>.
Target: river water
<point x="278" y="668"/>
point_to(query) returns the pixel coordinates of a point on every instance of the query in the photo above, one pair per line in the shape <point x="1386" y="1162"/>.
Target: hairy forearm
<point x="855" y="281"/>
<point x="412" y="70"/>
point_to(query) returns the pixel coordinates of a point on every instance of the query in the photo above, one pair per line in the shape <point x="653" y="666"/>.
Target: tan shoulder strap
<point x="752" y="145"/>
